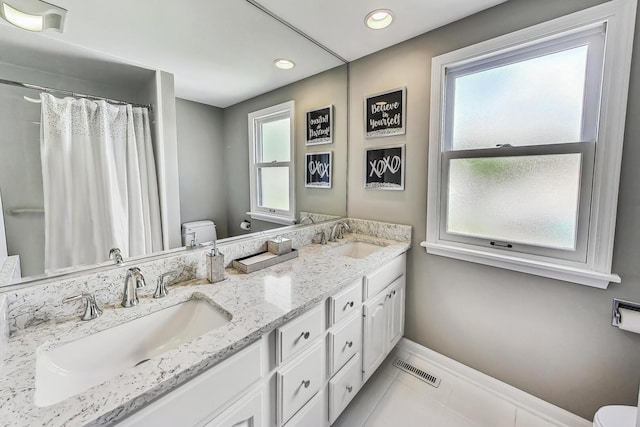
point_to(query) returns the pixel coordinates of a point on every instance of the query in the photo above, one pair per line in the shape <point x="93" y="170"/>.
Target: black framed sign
<point x="320" y="126"/>
<point x="384" y="168"/>
<point x="318" y="170"/>
<point x="385" y="113"/>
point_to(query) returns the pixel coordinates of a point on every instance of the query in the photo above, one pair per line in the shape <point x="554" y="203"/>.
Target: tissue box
<point x="279" y="245"/>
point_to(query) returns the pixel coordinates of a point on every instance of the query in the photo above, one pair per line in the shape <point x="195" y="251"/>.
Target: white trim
<point x="517" y="397"/>
<point x="619" y="16"/>
<point x="272" y="218"/>
<point x="551" y="270"/>
<point x="254" y="120"/>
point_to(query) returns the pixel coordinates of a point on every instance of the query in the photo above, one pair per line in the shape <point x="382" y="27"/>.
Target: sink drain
<point x="141" y="362"/>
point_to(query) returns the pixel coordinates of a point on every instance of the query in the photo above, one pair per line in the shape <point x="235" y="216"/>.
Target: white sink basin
<point x="357" y="249"/>
<point x="74" y="367"/>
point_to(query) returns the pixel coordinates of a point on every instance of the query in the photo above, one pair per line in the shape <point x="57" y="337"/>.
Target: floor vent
<point x="418" y="373"/>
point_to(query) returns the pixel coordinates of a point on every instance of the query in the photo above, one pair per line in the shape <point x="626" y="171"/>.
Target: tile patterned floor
<point x="393" y="398"/>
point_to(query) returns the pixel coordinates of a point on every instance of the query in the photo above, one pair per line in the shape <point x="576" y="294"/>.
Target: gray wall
<point x="329" y="87"/>
<point x="550" y="338"/>
<point x="201" y="164"/>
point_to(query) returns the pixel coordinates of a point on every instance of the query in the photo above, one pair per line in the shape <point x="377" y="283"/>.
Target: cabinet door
<point x="375" y="333"/>
<point x="395" y="307"/>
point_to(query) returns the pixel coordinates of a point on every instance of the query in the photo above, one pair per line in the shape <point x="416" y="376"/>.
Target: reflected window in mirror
<point x="272" y="167"/>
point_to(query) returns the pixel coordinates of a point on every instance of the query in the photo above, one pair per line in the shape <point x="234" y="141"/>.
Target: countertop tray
<point x="262" y="260"/>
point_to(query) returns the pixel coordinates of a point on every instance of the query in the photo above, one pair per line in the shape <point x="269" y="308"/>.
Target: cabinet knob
<point x="347" y="305"/>
<point x="306" y="383"/>
<point x="349" y="388"/>
<point x="349" y="343"/>
<point x="394" y="292"/>
<point x="305" y="335"/>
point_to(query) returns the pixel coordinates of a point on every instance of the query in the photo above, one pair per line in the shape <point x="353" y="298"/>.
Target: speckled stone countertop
<point x="257" y="302"/>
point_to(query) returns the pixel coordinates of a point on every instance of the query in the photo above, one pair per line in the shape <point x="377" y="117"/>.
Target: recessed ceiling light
<point x="378" y="19"/>
<point x="284" y="64"/>
<point x="32" y="15"/>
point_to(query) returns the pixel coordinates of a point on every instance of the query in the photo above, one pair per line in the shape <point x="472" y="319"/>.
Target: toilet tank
<point x="205" y="231"/>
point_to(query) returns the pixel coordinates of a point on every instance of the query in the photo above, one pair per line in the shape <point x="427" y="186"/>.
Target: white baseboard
<point x="509" y="393"/>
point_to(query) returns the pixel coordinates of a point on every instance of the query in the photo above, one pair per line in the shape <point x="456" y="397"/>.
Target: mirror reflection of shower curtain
<point x="100" y="185"/>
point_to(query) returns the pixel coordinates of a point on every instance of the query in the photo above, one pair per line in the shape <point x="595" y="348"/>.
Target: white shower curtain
<point x="100" y="185"/>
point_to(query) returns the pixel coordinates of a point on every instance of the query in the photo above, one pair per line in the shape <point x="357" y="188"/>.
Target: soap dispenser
<point x="215" y="265"/>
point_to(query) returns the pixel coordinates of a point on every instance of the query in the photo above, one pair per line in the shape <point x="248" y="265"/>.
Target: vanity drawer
<point x="299" y="333"/>
<point x="299" y="381"/>
<point x="382" y="277"/>
<point x="314" y="413"/>
<point x="346" y="302"/>
<point x="344" y="386"/>
<point x="345" y="341"/>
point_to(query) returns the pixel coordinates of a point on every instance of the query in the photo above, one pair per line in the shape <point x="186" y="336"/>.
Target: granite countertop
<point x="258" y="303"/>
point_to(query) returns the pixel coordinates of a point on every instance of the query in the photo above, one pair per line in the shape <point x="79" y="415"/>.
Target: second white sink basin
<point x="76" y="366"/>
<point x="357" y="249"/>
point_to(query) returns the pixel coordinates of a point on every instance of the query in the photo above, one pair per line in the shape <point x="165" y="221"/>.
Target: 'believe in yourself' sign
<point x="385" y="113"/>
<point x="320" y="126"/>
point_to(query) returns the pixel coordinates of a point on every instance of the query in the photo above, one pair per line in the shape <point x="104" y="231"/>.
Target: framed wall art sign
<point x="318" y="169"/>
<point x="320" y="126"/>
<point x="385" y="113"/>
<point x="384" y="168"/>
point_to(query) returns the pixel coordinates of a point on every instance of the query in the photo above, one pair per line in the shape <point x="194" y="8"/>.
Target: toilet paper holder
<point x="617" y="304"/>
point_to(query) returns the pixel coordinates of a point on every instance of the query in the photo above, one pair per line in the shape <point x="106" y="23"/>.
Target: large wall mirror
<point x="206" y="175"/>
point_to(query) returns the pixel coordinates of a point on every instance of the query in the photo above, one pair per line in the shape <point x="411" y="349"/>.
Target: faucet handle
<point x="91" y="310"/>
<point x="140" y="282"/>
<point x="323" y="237"/>
<point x="116" y="256"/>
<point x="161" y="288"/>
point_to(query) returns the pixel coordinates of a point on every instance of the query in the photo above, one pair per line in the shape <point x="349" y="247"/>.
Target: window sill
<point x="581" y="276"/>
<point x="272" y="218"/>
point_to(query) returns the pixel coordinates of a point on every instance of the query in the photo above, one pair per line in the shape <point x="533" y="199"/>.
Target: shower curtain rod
<point x="74" y="94"/>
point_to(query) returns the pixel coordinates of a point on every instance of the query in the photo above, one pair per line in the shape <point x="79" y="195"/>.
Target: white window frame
<point x="594" y="269"/>
<point x="256" y="118"/>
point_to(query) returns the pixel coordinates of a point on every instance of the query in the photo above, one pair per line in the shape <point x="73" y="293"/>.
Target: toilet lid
<point x="616" y="416"/>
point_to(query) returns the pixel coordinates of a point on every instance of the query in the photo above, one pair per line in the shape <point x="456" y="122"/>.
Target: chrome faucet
<point x="91" y="309"/>
<point x="132" y="282"/>
<point x="337" y="230"/>
<point x="161" y="287"/>
<point x="305" y="218"/>
<point x="115" y="255"/>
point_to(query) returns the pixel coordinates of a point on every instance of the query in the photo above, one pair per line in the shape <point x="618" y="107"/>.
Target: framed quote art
<point x="318" y="169"/>
<point x="384" y="168"/>
<point x="385" y="113"/>
<point x="320" y="126"/>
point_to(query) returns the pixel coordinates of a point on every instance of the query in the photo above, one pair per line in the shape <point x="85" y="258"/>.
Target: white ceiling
<point x="221" y="51"/>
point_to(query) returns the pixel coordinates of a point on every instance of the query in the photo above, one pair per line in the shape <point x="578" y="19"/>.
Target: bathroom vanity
<point x="292" y="347"/>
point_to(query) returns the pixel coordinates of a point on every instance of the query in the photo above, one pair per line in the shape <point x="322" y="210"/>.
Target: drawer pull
<point x="394" y="292"/>
<point x="349" y="388"/>
<point x="347" y="305"/>
<point x="306" y="383"/>
<point x="349" y="344"/>
<point x="305" y="335"/>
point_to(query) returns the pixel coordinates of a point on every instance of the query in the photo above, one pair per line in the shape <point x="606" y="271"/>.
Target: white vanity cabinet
<point x="304" y="373"/>
<point x="383" y="313"/>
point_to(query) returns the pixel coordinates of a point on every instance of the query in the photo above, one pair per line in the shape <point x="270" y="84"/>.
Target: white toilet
<point x="198" y="232"/>
<point x="616" y="416"/>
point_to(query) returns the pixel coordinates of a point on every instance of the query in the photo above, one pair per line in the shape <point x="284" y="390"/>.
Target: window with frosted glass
<point x="526" y="199"/>
<point x="530" y="102"/>
<point x="518" y="147"/>
<point x="273" y="185"/>
<point x="275" y="141"/>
